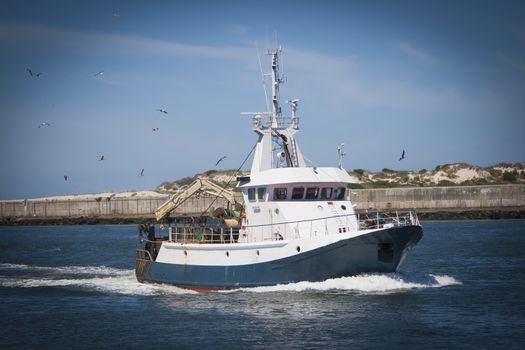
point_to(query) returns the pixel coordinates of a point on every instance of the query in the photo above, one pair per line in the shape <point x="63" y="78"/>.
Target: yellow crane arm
<point x="200" y="184"/>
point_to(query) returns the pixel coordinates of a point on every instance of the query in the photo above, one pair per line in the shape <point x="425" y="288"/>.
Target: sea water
<point x="73" y="287"/>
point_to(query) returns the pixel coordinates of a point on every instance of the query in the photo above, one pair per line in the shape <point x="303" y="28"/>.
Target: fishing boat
<point x="294" y="222"/>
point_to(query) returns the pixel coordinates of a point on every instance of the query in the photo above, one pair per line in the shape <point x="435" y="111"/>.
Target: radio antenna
<point x="262" y="77"/>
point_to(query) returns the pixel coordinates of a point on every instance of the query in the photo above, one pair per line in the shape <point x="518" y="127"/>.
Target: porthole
<point x="227" y="253"/>
<point x="185" y="253"/>
<point x="343" y="207"/>
<point x="320" y="207"/>
<point x="298" y="249"/>
<point x="258" y="253"/>
<point x="276" y="210"/>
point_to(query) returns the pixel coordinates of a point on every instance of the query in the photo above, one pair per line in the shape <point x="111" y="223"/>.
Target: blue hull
<point x="380" y="251"/>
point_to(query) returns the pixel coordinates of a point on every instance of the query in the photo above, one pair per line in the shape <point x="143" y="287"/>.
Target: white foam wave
<point x="119" y="285"/>
<point x="89" y="270"/>
<point x="99" y="278"/>
<point x="123" y="281"/>
<point x="367" y="284"/>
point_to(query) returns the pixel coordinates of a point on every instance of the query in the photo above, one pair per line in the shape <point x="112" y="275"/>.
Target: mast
<point x="276" y="120"/>
<point x="277" y="146"/>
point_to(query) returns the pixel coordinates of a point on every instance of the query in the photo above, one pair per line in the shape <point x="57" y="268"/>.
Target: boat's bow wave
<point x="364" y="284"/>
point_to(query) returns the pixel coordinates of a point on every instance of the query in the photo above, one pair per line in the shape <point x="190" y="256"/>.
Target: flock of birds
<point x="100" y="74"/>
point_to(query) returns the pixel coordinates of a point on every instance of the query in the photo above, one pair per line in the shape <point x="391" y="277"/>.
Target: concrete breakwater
<point x="423" y="199"/>
<point x="455" y="198"/>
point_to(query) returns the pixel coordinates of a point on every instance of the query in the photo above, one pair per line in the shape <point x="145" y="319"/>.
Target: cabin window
<point x="298" y="193"/>
<point x="340" y="193"/>
<point x="326" y="192"/>
<point x="312" y="192"/>
<point x="280" y="193"/>
<point x="261" y="194"/>
<point x="251" y="194"/>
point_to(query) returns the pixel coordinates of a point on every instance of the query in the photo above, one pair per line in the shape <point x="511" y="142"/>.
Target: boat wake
<point x="364" y="284"/>
<point x="123" y="281"/>
<point x="95" y="278"/>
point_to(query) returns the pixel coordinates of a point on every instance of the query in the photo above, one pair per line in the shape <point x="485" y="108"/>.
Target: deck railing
<point x="143" y="255"/>
<point x="195" y="233"/>
<point x="203" y="234"/>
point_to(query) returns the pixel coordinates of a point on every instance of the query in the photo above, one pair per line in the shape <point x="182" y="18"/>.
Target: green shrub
<point x="446" y="183"/>
<point x="510" y="176"/>
<point x="359" y="172"/>
<point x="186" y="180"/>
<point x="383" y="184"/>
<point x="355" y="186"/>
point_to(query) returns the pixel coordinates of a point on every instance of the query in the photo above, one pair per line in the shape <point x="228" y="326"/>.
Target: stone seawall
<point x="459" y="198"/>
<point x="114" y="208"/>
<point x="497" y="197"/>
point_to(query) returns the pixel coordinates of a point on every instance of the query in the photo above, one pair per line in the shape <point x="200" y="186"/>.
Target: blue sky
<point x="444" y="80"/>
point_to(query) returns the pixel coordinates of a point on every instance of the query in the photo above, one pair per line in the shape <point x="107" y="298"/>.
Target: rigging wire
<point x="230" y="180"/>
<point x="262" y="78"/>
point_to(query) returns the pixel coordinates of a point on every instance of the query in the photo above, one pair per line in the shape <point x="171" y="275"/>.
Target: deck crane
<point x="199" y="185"/>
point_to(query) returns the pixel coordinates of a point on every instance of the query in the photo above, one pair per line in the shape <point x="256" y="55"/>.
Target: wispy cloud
<point x="343" y="81"/>
<point x="417" y="54"/>
<point x="31" y="35"/>
<point x="337" y="80"/>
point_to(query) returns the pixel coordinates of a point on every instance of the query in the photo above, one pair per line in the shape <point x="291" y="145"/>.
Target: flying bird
<point x="66" y="177"/>
<point x="99" y="74"/>
<point x="43" y="124"/>
<point x="116" y="14"/>
<point x="101" y="157"/>
<point x="30" y="72"/>
<point x="142" y="172"/>
<point x="155" y="129"/>
<point x="402" y="155"/>
<point x="162" y="110"/>
<point x="220" y="160"/>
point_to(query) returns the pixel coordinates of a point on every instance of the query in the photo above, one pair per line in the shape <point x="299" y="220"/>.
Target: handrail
<point x="141" y="254"/>
<point x="202" y="234"/>
<point x="299" y="221"/>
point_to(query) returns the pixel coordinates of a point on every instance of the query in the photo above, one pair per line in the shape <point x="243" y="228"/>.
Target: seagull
<point x="99" y="74"/>
<point x="155" y="129"/>
<point x="402" y="155"/>
<point x="116" y="14"/>
<point x="220" y="160"/>
<point x="100" y="158"/>
<point x="142" y="172"/>
<point x="43" y="124"/>
<point x="66" y="177"/>
<point x="162" y="110"/>
<point x="30" y="72"/>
